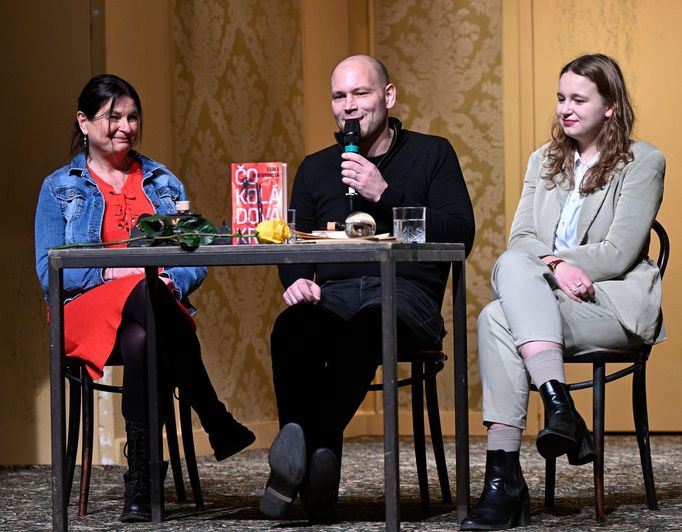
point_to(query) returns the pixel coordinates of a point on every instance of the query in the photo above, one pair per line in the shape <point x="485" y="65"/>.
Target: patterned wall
<point x="238" y="98"/>
<point x="445" y="58"/>
<point x="238" y="74"/>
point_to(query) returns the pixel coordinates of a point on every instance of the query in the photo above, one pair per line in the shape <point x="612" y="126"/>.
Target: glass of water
<point x="409" y="224"/>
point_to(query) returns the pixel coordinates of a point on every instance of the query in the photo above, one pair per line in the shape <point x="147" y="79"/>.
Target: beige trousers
<point x="528" y="306"/>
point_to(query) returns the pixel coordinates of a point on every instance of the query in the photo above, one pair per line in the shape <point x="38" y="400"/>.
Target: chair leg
<point x="173" y="448"/>
<point x="72" y="438"/>
<point x="88" y="395"/>
<point x="641" y="418"/>
<point x="190" y="454"/>
<point x="437" y="437"/>
<point x="598" y="405"/>
<point x="419" y="433"/>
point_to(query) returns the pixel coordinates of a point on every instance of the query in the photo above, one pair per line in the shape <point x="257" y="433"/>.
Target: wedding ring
<point x="574" y="289"/>
<point x="355" y="175"/>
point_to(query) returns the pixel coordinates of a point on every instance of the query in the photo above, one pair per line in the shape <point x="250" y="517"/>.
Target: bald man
<point x="326" y="345"/>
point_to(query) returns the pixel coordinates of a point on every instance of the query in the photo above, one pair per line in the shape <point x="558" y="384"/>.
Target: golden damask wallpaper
<point x="238" y="95"/>
<point x="445" y="58"/>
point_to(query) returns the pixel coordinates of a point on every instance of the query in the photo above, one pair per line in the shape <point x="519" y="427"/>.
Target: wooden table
<point x="386" y="254"/>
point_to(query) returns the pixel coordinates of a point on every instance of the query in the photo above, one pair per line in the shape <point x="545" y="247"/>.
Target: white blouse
<point x="566" y="234"/>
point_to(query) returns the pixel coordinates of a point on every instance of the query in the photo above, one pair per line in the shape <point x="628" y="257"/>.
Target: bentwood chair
<point x="599" y="359"/>
<point x="81" y="398"/>
<point x="425" y="365"/>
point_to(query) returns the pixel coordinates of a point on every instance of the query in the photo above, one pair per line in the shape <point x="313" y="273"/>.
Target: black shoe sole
<point x="287" y="459"/>
<point x="320" y="489"/>
<point x="135" y="517"/>
<point x="552" y="444"/>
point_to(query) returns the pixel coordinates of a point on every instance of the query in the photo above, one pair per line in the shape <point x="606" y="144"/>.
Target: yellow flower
<point x="273" y="232"/>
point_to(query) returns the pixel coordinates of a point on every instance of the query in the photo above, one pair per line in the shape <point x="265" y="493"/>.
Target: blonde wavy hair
<point x="613" y="140"/>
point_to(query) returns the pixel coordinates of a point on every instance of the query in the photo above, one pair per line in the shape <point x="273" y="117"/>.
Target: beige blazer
<point x="613" y="228"/>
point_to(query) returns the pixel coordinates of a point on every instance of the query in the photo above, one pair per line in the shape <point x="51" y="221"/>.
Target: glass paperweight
<point x="359" y="224"/>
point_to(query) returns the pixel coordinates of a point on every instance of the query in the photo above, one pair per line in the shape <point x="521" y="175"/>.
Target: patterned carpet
<point x="232" y="490"/>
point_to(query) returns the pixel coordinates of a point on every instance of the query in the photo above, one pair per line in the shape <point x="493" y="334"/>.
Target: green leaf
<point x="194" y="231"/>
<point x="156" y="224"/>
<point x="189" y="232"/>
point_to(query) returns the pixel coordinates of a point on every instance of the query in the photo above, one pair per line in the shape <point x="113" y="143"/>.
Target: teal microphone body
<point x="351" y="143"/>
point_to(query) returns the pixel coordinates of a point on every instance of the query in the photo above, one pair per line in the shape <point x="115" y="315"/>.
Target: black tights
<point x="179" y="357"/>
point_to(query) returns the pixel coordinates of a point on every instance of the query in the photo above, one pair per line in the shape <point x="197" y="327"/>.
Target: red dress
<point x="91" y="320"/>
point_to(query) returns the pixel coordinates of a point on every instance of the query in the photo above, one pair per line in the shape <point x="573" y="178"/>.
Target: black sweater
<point x="421" y="170"/>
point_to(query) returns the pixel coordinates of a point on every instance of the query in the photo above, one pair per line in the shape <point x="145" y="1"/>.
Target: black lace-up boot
<point x="136" y="507"/>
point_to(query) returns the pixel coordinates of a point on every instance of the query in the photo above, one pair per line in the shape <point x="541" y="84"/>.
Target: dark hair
<point x="96" y="93"/>
<point x="613" y="140"/>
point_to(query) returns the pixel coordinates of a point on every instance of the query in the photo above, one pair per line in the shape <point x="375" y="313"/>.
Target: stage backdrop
<point x="242" y="73"/>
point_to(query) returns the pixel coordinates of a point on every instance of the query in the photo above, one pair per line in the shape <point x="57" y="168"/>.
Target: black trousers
<point x="179" y="352"/>
<point x="322" y="366"/>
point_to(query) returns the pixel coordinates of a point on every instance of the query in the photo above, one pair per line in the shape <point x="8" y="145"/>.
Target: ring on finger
<point x="574" y="289"/>
<point x="355" y="175"/>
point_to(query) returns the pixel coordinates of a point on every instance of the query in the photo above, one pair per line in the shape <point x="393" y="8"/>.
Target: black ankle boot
<point x="505" y="502"/>
<point x="566" y="431"/>
<point x="136" y="507"/>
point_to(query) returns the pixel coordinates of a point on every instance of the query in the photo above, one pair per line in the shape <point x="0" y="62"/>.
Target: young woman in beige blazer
<point x="576" y="277"/>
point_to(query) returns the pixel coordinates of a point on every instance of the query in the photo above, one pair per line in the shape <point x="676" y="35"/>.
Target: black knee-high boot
<point x="184" y="368"/>
<point x="505" y="502"/>
<point x="226" y="435"/>
<point x="136" y="507"/>
<point x="566" y="431"/>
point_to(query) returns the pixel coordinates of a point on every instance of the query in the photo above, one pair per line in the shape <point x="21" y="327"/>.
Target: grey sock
<point x="507" y="439"/>
<point x="546" y="366"/>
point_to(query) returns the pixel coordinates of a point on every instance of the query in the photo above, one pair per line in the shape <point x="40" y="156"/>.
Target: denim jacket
<point x="71" y="210"/>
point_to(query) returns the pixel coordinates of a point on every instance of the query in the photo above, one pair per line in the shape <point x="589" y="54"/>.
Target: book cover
<point x="259" y="192"/>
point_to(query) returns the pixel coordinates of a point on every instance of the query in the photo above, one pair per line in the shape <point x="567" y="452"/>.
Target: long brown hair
<point x="613" y="140"/>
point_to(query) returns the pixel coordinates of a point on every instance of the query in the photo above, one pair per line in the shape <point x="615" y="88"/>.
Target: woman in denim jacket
<point x="98" y="197"/>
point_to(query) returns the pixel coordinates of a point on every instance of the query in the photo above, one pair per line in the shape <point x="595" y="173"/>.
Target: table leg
<point x="155" y="443"/>
<point x="461" y="390"/>
<point x="390" y="371"/>
<point x="60" y="515"/>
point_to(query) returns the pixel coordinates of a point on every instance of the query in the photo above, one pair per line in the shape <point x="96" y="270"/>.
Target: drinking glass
<point x="409" y="224"/>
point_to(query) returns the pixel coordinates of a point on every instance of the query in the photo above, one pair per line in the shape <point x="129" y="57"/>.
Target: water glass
<point x="409" y="224"/>
<point x="291" y="222"/>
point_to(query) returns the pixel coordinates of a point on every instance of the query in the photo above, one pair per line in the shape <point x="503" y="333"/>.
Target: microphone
<point x="351" y="143"/>
<point x="351" y="135"/>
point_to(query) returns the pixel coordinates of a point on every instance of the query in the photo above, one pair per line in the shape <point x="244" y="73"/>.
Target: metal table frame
<point x="386" y="254"/>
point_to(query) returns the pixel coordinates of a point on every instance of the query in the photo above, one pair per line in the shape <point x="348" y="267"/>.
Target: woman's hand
<point x="116" y="273"/>
<point x="167" y="281"/>
<point x="574" y="282"/>
<point x="110" y="274"/>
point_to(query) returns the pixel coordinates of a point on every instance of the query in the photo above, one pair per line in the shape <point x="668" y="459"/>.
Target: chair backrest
<point x="664" y="246"/>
